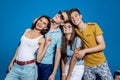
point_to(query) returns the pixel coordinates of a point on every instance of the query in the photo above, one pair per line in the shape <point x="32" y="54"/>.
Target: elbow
<point x="103" y="46"/>
<point x="74" y="58"/>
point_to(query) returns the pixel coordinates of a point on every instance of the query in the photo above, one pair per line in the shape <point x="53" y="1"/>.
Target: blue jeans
<point x="24" y="72"/>
<point x="44" y="71"/>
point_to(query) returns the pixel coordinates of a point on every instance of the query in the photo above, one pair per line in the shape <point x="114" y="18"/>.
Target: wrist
<point x="86" y="51"/>
<point x="63" y="74"/>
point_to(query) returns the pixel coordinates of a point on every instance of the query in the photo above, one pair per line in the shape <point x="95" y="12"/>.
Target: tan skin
<point x="67" y="31"/>
<point x="76" y="19"/>
<point x="54" y="25"/>
<point x="58" y="21"/>
<point x="32" y="34"/>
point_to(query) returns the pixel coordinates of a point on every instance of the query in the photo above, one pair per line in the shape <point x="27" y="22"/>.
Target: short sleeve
<point x="77" y="42"/>
<point x="59" y="40"/>
<point x="98" y="30"/>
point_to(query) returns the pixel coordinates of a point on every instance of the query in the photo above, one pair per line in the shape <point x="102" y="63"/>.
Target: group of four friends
<point x="64" y="39"/>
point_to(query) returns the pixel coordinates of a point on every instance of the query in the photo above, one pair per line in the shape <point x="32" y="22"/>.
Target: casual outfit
<point x="45" y="67"/>
<point x="24" y="67"/>
<point x="78" y="69"/>
<point x="95" y="63"/>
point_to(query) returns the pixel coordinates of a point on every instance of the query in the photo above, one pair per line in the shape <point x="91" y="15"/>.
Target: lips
<point x="38" y="25"/>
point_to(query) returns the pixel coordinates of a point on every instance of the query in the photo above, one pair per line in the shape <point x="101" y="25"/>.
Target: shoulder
<point x="77" y="38"/>
<point x="91" y="23"/>
<point x="28" y="29"/>
<point x="42" y="40"/>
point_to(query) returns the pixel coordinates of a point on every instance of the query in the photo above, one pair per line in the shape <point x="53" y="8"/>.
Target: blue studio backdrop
<point x="17" y="15"/>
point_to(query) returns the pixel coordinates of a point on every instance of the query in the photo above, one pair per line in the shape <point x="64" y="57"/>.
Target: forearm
<point x="95" y="49"/>
<point x="71" y="66"/>
<point x="12" y="61"/>
<point x="41" y="54"/>
<point x="14" y="56"/>
<point x="57" y="60"/>
<point x="62" y="66"/>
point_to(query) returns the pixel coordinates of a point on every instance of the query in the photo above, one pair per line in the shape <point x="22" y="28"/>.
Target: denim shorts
<point x="77" y="72"/>
<point x="24" y="72"/>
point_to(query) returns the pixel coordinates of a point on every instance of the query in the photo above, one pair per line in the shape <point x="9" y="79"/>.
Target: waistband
<point x="24" y="62"/>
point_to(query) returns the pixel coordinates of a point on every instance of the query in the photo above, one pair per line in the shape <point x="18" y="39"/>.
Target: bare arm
<point x="72" y="64"/>
<point x="99" y="47"/>
<point x="63" y="70"/>
<point x="57" y="60"/>
<point x="43" y="48"/>
<point x="11" y="63"/>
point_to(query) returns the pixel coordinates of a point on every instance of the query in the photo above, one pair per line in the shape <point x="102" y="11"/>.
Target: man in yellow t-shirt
<point x="94" y="58"/>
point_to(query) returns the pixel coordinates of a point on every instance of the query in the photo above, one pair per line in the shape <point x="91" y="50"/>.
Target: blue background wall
<point x="17" y="15"/>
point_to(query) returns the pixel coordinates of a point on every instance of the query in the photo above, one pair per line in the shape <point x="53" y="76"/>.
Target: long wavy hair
<point x="44" y="31"/>
<point x="65" y="42"/>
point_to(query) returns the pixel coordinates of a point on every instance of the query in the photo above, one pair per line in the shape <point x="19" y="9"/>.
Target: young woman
<point x="72" y="68"/>
<point x="94" y="58"/>
<point x="22" y="66"/>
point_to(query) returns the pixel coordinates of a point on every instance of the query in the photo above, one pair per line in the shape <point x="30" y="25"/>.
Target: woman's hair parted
<point x="65" y="42"/>
<point x="44" y="31"/>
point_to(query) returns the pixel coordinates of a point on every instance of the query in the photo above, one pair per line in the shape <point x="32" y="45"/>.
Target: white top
<point x="27" y="48"/>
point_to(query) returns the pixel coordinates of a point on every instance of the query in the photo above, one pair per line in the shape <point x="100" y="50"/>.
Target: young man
<point x="46" y="69"/>
<point x="94" y="58"/>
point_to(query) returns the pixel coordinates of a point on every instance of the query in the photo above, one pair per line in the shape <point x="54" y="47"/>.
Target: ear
<point x="81" y="16"/>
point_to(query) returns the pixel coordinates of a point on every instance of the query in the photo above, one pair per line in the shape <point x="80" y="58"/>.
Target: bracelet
<point x="63" y="74"/>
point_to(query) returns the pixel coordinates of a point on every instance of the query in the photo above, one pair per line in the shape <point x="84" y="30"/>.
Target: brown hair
<point x="48" y="26"/>
<point x="65" y="42"/>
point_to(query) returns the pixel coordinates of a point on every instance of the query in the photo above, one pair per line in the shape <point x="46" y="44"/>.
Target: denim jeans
<point x="24" y="72"/>
<point x="44" y="71"/>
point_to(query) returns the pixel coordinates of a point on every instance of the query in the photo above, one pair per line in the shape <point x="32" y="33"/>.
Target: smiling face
<point x="67" y="28"/>
<point x="42" y="23"/>
<point x="60" y="17"/>
<point x="76" y="18"/>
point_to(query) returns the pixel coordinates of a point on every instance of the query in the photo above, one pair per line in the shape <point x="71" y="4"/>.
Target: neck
<point x="68" y="36"/>
<point x="82" y="26"/>
<point x="36" y="31"/>
<point x="54" y="26"/>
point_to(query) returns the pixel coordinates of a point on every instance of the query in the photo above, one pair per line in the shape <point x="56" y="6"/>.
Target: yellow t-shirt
<point x="89" y="38"/>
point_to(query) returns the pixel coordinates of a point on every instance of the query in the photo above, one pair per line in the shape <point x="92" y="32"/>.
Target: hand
<point x="80" y="54"/>
<point x="10" y="66"/>
<point x="51" y="77"/>
<point x="68" y="78"/>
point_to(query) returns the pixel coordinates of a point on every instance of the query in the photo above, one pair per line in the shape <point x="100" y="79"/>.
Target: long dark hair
<point x="44" y="31"/>
<point x="67" y="12"/>
<point x="65" y="42"/>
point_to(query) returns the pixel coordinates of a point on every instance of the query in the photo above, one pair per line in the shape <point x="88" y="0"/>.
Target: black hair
<point x="75" y="9"/>
<point x="44" y="31"/>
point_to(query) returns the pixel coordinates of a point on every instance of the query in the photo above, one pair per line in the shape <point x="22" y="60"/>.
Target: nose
<point x="73" y="19"/>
